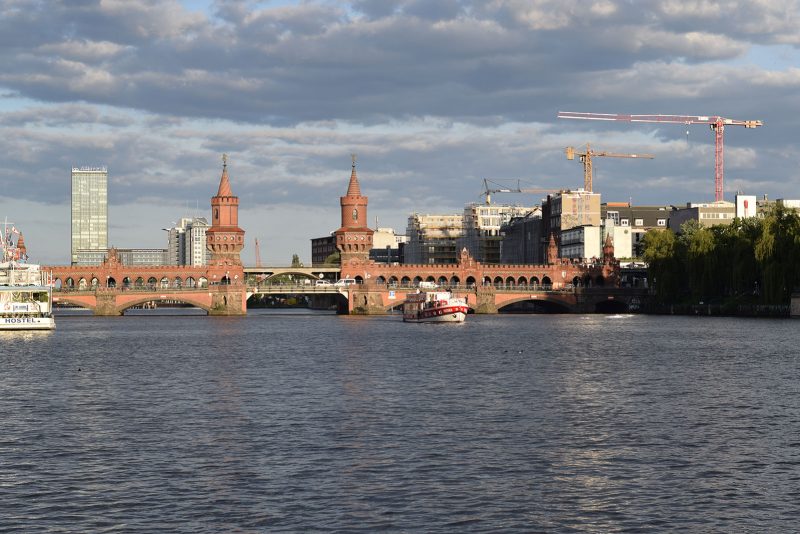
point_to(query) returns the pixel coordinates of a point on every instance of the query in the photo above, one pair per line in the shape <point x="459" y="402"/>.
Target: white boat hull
<point x="27" y="323"/>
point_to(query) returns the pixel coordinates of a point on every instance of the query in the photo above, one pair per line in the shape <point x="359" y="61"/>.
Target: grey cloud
<point x="433" y="96"/>
<point x="311" y="62"/>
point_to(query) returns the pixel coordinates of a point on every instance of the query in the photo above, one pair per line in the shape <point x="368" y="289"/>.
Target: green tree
<point x="296" y="261"/>
<point x="700" y="262"/>
<point x="777" y="250"/>
<point x="659" y="247"/>
<point x="333" y="258"/>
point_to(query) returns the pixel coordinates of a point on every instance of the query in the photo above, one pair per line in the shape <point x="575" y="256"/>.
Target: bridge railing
<point x="142" y="289"/>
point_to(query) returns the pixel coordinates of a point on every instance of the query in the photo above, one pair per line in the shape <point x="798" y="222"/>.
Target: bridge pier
<point x="485" y="297"/>
<point x="106" y="304"/>
<point x="364" y="302"/>
<point x="228" y="300"/>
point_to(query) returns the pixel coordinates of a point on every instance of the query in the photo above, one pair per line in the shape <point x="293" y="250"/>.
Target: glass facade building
<point x="186" y="242"/>
<point x="89" y="210"/>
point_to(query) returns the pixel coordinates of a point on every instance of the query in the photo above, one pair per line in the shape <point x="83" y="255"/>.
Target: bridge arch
<point x="470" y="281"/>
<point x="544" y="304"/>
<point x="454" y="280"/>
<point x="510" y="282"/>
<point x="611" y="306"/>
<point x="405" y="281"/>
<point x="546" y="281"/>
<point x="128" y="304"/>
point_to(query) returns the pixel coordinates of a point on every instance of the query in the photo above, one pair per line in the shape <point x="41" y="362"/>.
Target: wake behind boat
<point x="434" y="307"/>
<point x="26" y="292"/>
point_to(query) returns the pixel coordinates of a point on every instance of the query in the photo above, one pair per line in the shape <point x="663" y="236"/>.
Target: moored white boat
<point x="26" y="292"/>
<point x="434" y="307"/>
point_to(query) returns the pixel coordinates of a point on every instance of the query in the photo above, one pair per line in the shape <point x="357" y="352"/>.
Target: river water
<point x="301" y="422"/>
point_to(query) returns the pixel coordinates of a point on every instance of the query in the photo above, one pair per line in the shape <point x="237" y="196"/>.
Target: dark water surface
<point x="304" y="423"/>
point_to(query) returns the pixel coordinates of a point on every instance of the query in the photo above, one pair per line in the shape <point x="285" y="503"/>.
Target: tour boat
<point x="26" y="292"/>
<point x="434" y="307"/>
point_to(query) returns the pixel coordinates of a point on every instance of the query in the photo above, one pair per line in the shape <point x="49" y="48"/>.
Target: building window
<point x="662" y="222"/>
<point x="623" y="222"/>
<point x="614" y="216"/>
<point x="638" y="222"/>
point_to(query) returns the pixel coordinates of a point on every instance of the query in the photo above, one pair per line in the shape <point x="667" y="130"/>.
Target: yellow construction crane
<point x="586" y="159"/>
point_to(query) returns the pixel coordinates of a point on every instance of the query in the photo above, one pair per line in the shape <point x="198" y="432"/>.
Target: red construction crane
<point x="258" y="254"/>
<point x="717" y="124"/>
<point x="586" y="159"/>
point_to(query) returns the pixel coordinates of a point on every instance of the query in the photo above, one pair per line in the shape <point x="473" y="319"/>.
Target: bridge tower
<point x="552" y="250"/>
<point x="354" y="237"/>
<point x="225" y="240"/>
<point x="608" y="250"/>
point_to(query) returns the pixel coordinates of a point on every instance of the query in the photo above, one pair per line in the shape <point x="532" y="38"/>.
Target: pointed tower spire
<point x="224" y="238"/>
<point x="354" y="237"/>
<point x="353" y="189"/>
<point x="552" y="250"/>
<point x="224" y="184"/>
<point x="21" y="249"/>
<point x="608" y="249"/>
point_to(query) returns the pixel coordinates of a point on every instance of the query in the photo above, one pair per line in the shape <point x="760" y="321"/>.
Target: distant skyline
<point x="433" y="96"/>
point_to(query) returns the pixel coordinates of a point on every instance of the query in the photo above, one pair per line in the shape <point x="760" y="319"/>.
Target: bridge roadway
<point x="366" y="299"/>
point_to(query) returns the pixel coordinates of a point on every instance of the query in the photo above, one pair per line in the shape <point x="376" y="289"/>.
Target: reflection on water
<point x="289" y="420"/>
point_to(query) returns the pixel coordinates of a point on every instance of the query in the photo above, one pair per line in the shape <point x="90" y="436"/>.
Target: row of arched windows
<point x="497" y="281"/>
<point x="127" y="283"/>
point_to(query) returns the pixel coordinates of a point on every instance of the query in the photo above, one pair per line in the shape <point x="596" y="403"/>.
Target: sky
<point x="433" y="96"/>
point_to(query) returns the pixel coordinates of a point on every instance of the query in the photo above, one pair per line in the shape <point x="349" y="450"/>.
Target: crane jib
<point x="717" y="125"/>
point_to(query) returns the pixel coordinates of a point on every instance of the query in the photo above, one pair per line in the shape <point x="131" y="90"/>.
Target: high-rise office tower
<point x="89" y="210"/>
<point x="186" y="242"/>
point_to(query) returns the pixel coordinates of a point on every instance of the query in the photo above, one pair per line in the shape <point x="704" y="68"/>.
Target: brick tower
<point x="224" y="238"/>
<point x="608" y="250"/>
<point x="353" y="238"/>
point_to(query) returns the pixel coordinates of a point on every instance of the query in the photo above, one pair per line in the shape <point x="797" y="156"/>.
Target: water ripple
<point x="331" y="424"/>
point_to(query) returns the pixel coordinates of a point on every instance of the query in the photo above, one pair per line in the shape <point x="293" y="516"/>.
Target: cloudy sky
<point x="432" y="95"/>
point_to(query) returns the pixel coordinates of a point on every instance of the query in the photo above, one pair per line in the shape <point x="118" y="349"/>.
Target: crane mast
<point x="586" y="159"/>
<point x="258" y="254"/>
<point x="716" y="123"/>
